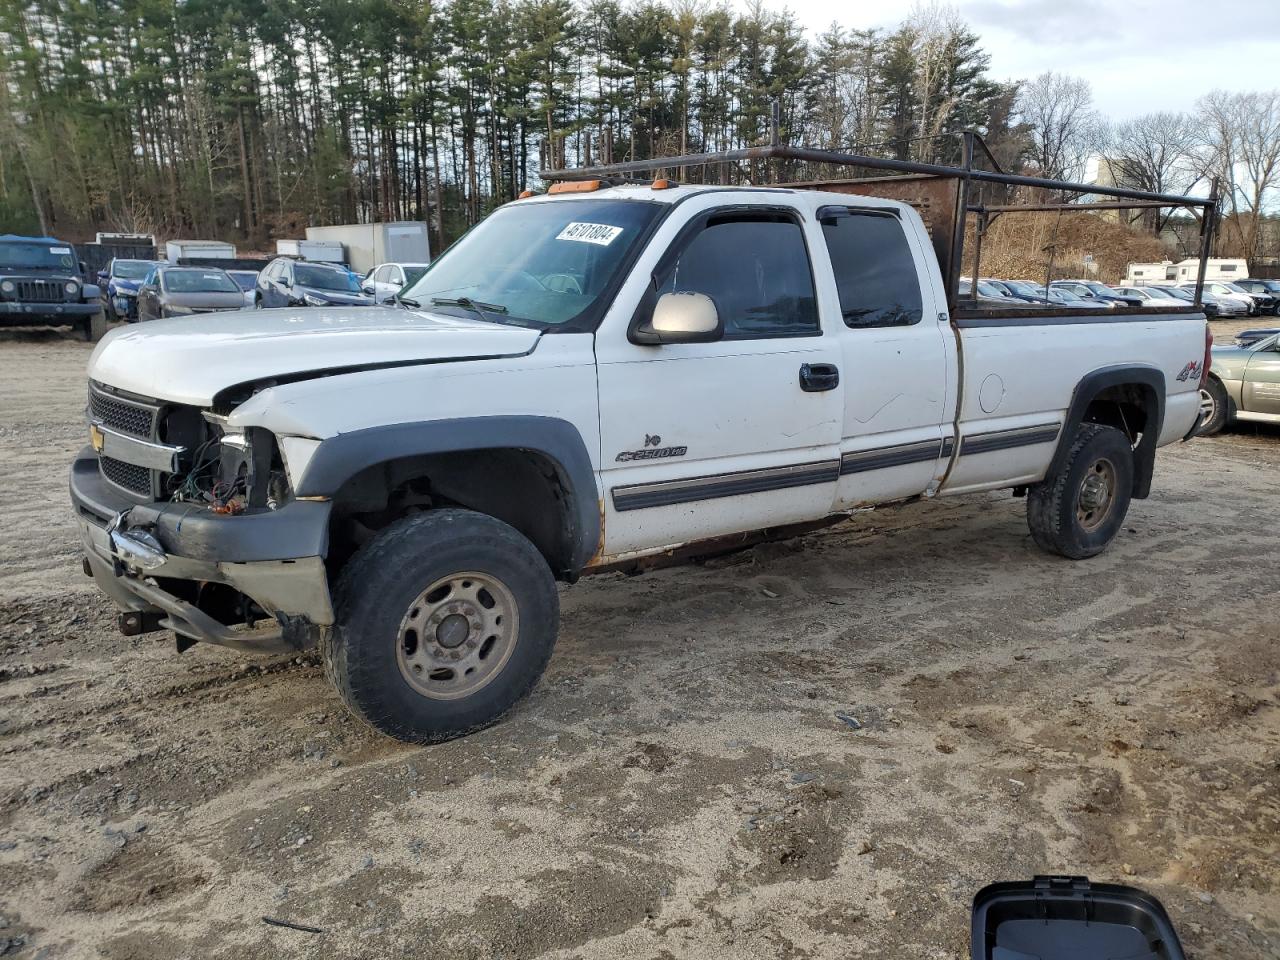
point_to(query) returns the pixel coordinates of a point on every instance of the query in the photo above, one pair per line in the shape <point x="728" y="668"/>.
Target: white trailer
<point x="1216" y="268"/>
<point x="371" y="244"/>
<point x="1143" y="273"/>
<point x="176" y="250"/>
<point x="323" y="251"/>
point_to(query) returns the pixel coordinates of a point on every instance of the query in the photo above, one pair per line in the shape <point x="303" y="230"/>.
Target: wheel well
<point x="525" y="489"/>
<point x="1125" y="406"/>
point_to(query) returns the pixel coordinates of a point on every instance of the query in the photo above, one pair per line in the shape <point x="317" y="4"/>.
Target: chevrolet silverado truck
<point x="42" y="284"/>
<point x="590" y="378"/>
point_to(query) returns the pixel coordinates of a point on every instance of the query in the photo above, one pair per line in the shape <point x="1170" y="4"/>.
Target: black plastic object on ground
<point x="1069" y="918"/>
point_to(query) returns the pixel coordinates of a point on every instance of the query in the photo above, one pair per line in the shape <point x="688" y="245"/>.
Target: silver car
<point x="181" y="291"/>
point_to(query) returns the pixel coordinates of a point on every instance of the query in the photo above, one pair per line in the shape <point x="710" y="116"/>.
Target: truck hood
<point x="191" y="359"/>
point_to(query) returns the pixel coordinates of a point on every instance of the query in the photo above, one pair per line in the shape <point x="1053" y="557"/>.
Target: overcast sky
<point x="1139" y="55"/>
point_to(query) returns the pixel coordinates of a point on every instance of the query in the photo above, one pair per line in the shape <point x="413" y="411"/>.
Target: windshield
<point x="989" y="289"/>
<point x="1235" y="288"/>
<point x="1178" y="293"/>
<point x="39" y="256"/>
<point x="1024" y="288"/>
<point x="245" y="279"/>
<point x="545" y="263"/>
<point x="198" y="281"/>
<point x="413" y="274"/>
<point x="324" y="278"/>
<point x="131" y="269"/>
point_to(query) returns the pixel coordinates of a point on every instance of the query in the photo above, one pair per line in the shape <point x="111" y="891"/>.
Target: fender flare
<point x="1091" y="384"/>
<point x="341" y="457"/>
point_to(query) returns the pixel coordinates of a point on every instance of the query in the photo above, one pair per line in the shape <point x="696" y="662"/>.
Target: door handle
<point x="817" y="377"/>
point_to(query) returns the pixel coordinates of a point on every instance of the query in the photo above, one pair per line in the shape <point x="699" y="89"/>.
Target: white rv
<point x="1140" y="274"/>
<point x="1215" y="269"/>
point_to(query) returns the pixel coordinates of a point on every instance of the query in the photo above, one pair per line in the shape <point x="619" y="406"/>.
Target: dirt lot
<point x="680" y="784"/>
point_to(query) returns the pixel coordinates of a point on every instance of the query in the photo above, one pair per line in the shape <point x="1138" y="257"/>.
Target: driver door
<point x="703" y="440"/>
<point x="1261" y="389"/>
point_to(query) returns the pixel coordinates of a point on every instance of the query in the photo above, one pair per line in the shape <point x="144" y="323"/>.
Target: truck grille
<point x="39" y="291"/>
<point x="130" y="476"/>
<point x="135" y="419"/>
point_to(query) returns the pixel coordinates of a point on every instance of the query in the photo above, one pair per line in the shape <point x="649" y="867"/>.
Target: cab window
<point x="875" y="272"/>
<point x="756" y="269"/>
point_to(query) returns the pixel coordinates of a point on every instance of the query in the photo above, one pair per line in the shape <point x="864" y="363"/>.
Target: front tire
<point x="1215" y="406"/>
<point x="1078" y="510"/>
<point x="445" y="621"/>
<point x="95" y="326"/>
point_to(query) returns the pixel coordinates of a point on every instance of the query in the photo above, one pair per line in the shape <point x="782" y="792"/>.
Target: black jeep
<point x="42" y="283"/>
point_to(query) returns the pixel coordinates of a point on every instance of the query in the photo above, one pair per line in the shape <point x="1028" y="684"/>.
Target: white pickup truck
<point x="586" y="379"/>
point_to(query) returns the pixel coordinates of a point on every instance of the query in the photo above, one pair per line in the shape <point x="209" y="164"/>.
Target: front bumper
<point x="276" y="558"/>
<point x="14" y="313"/>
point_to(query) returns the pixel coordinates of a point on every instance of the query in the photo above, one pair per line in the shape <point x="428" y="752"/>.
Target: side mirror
<point x="681" y="318"/>
<point x="102" y="275"/>
<point x="369" y="289"/>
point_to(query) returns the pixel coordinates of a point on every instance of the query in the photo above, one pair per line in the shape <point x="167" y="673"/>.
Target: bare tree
<point x="1241" y="137"/>
<point x="1157" y="152"/>
<point x="1063" y="126"/>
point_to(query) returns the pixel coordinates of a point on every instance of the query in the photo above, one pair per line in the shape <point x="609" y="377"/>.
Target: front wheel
<point x="445" y="620"/>
<point x="1077" y="510"/>
<point x="1215" y="407"/>
<point x="95" y="326"/>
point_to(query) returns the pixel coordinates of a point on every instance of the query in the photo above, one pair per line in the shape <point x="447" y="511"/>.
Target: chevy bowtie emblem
<point x="1190" y="371"/>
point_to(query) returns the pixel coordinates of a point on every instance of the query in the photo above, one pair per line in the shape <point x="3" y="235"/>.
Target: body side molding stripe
<point x="666" y="493"/>
<point x="879" y="458"/>
<point x="1008" y="439"/>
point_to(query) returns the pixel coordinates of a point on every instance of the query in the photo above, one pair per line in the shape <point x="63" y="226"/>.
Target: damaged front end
<point x="190" y="524"/>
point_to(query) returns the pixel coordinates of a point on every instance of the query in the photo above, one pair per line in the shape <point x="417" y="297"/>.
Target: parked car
<point x="42" y="284"/>
<point x="1093" y="290"/>
<point x="247" y="281"/>
<point x="1243" y="383"/>
<point x="286" y="282"/>
<point x="988" y="294"/>
<point x="1246" y="337"/>
<point x="119" y="284"/>
<point x="1065" y="298"/>
<point x="1266" y="292"/>
<point x="1215" y="307"/>
<point x="182" y="291"/>
<point x="1226" y="292"/>
<point x="1152" y="297"/>
<point x="583" y="379"/>
<point x="387" y="279"/>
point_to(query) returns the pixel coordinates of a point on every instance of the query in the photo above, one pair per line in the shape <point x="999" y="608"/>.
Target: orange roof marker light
<point x="575" y="186"/>
<point x="525" y="195"/>
<point x="662" y="183"/>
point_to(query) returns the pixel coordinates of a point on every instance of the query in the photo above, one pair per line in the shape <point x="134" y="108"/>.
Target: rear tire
<point x="1216" y="406"/>
<point x="445" y="621"/>
<point x="1078" y="510"/>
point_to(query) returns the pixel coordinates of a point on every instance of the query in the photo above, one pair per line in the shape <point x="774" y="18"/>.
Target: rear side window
<point x="875" y="271"/>
<point x="757" y="272"/>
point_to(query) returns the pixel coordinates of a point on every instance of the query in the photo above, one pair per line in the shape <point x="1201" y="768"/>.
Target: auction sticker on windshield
<point x="598" y="233"/>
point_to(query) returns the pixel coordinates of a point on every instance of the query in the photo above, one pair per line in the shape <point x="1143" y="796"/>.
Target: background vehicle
<point x="297" y="283"/>
<point x="42" y="284"/>
<point x="386" y="280"/>
<point x="1246" y="337"/>
<point x="1214" y="307"/>
<point x="1067" y="299"/>
<point x="1243" y="382"/>
<point x="181" y="291"/>
<point x="247" y="281"/>
<point x="317" y="251"/>
<point x="587" y="379"/>
<point x="1227" y="293"/>
<point x="1152" y="297"/>
<point x="988" y="293"/>
<point x="1265" y="292"/>
<point x="1092" y="290"/>
<point x="176" y="250"/>
<point x="119" y="283"/>
<point x="369" y="244"/>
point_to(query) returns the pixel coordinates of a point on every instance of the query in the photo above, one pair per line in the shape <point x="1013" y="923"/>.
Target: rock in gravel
<point x="803" y="777"/>
<point x="312" y="750"/>
<point x="1205" y="897"/>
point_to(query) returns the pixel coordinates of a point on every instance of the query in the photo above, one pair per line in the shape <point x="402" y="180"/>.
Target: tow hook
<point x="133" y="623"/>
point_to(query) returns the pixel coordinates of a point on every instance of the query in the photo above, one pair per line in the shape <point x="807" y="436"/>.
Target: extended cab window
<point x="875" y="271"/>
<point x="756" y="269"/>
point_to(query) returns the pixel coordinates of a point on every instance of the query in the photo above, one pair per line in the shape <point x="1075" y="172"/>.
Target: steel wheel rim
<point x="457" y="635"/>
<point x="1097" y="494"/>
<point x="1208" y="405"/>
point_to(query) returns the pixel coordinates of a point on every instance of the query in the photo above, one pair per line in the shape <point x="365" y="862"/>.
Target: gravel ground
<point x="684" y="782"/>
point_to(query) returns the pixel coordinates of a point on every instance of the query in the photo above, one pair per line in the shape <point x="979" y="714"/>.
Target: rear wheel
<point x="1077" y="510"/>
<point x="445" y="620"/>
<point x="1215" y="407"/>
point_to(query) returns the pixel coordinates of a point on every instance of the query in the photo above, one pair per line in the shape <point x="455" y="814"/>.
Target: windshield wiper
<point x="478" y="307"/>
